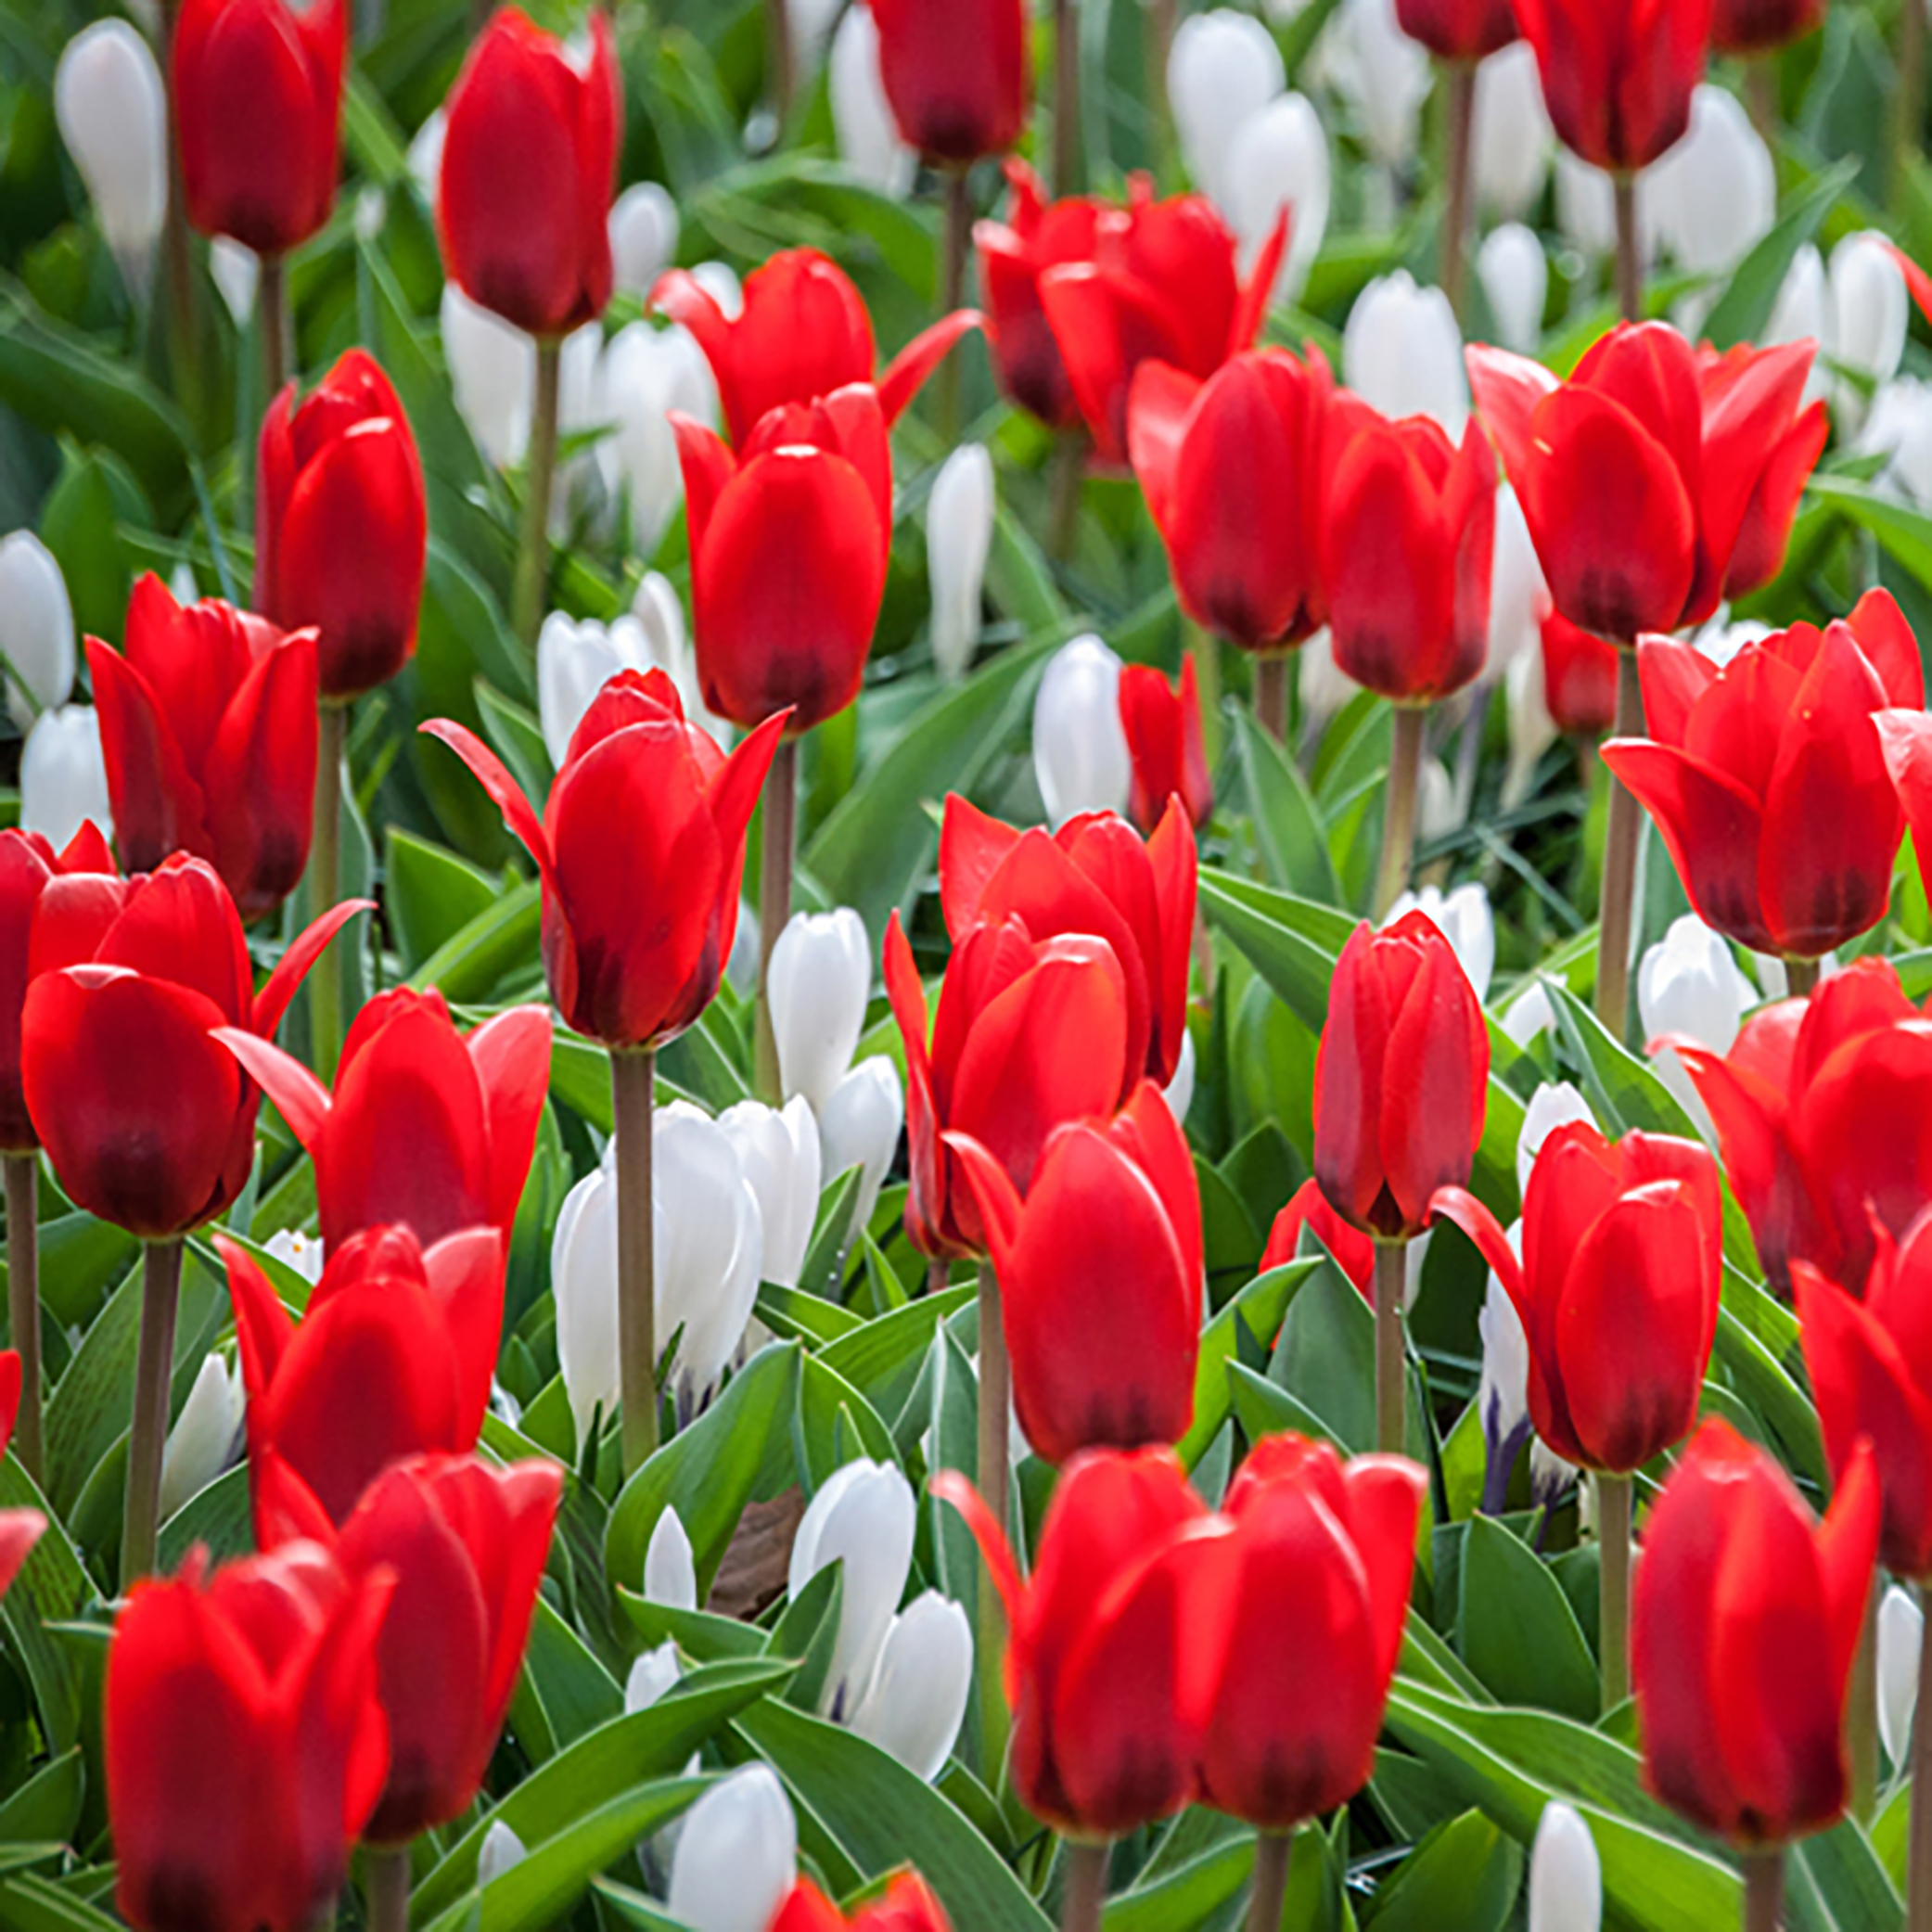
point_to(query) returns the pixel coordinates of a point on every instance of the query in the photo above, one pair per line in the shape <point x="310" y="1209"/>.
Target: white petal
<point x="1513" y="140"/>
<point x="204" y="1435"/>
<point x="583" y="1280"/>
<point x="1463" y="918"/>
<point x="1279" y="159"/>
<point x="1714" y="194"/>
<point x="862" y="117"/>
<point x="501" y="1850"/>
<point x="670" y="1569"/>
<point x="651" y="1676"/>
<point x="863" y="1515"/>
<point x="958" y="538"/>
<point x="108" y="100"/>
<point x="778" y="1152"/>
<point x="710" y="1244"/>
<point x="1554" y="1105"/>
<point x="859" y="1126"/>
<point x="736" y="1855"/>
<point x="36" y="627"/>
<point x="644" y="231"/>
<point x="1566" y="1880"/>
<point x="1516" y="282"/>
<point x="918" y="1696"/>
<point x="1222" y="67"/>
<point x="1901" y="1634"/>
<point x="820" y="980"/>
<point x="64" y="776"/>
<point x="1402" y="353"/>
<point x="494" y="374"/>
<point x="1080" y="750"/>
<point x="649" y="372"/>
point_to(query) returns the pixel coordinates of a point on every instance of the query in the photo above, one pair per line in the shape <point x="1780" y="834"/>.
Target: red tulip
<point x="1579" y="679"/>
<point x="1094" y="875"/>
<point x="1618" y="1288"/>
<point x="1617" y="74"/>
<point x="529" y="155"/>
<point x="466" y="1544"/>
<point x="641" y="848"/>
<point x="27" y="865"/>
<point x="1458" y="30"/>
<point x="1164" y="745"/>
<point x="1905" y="734"/>
<point x="908" y="1905"/>
<point x="426" y="1129"/>
<point x="1163" y="287"/>
<point x="957" y="77"/>
<point x="1232" y="472"/>
<point x="1824" y="1112"/>
<point x="802" y="335"/>
<point x="1315" y="1579"/>
<point x="1036" y="235"/>
<point x="1354" y="1253"/>
<point x="337" y="478"/>
<point x="1401" y="1078"/>
<point x="1408" y="528"/>
<point x="1108" y="1606"/>
<point x="1100" y="1278"/>
<point x="1029" y="1033"/>
<point x="1763" y="26"/>
<point x="1650" y="474"/>
<point x="149" y="1121"/>
<point x="1747" y="1616"/>
<point x="208" y="728"/>
<point x="245" y="1745"/>
<point x="19" y="1528"/>
<point x="1768" y="778"/>
<point x="257" y="107"/>
<point x="1765" y="534"/>
<point x="393" y="1356"/>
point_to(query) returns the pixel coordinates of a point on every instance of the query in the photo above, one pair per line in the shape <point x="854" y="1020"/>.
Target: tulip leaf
<point x="1514" y="1627"/>
<point x="433" y="894"/>
<point x="881" y="1358"/>
<point x="791" y="1311"/>
<point x="1325" y="1359"/>
<point x="519" y="740"/>
<point x="1264" y="1409"/>
<point x="1463" y="1878"/>
<point x="28" y="1903"/>
<point x="824" y="1265"/>
<point x="701" y="1635"/>
<point x="808" y="1633"/>
<point x="1287" y="823"/>
<point x="1259" y="1308"/>
<point x="1904" y="531"/>
<point x="1744" y="310"/>
<point x="835" y="1423"/>
<point x="216" y="1516"/>
<point x="47" y="1806"/>
<point x="1837" y="1881"/>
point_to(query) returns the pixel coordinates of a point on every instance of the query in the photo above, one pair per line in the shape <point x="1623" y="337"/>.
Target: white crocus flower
<point x="959" y="516"/>
<point x="1402" y="353"/>
<point x="862" y="117"/>
<point x="1080" y="750"/>
<point x="737" y="1855"/>
<point x="1463" y="918"/>
<point x="205" y="1434"/>
<point x="114" y="115"/>
<point x="644" y="231"/>
<point x="863" y="1515"/>
<point x="820" y="979"/>
<point x="919" y="1691"/>
<point x="670" y="1569"/>
<point x="779" y="1151"/>
<point x="64" y="775"/>
<point x="1566" y="1877"/>
<point x="36" y="628"/>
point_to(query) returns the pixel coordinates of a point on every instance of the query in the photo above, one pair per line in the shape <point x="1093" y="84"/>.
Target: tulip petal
<point x="157" y="807"/>
<point x="261" y="778"/>
<point x="300" y="1098"/>
<point x="973" y="846"/>
<point x="905" y="375"/>
<point x="465" y="1273"/>
<point x="1507" y="389"/>
<point x="511" y="1055"/>
<point x="504" y="792"/>
<point x="302" y="952"/>
<point x="1675" y="676"/>
<point x="1159" y="404"/>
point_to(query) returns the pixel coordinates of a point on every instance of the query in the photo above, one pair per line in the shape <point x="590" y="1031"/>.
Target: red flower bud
<point x="1579" y="679"/>
<point x="1458" y="30"/>
<point x="19" y="1528"/>
<point x="957" y="77"/>
<point x="1164" y="744"/>
<point x="908" y="1905"/>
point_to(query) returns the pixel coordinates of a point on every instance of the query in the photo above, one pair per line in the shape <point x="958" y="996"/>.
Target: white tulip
<point x="737" y="1855"/>
<point x="1463" y="918"/>
<point x="205" y="1434"/>
<point x="862" y="1517"/>
<point x="501" y="1849"/>
<point x="425" y="158"/>
<point x="670" y="1568"/>
<point x="1279" y="159"/>
<point x="1901" y="1627"/>
<point x="918" y="1695"/>
<point x="237" y="273"/>
<point x="1899" y="430"/>
<point x="1222" y="67"/>
<point x="649" y="372"/>
<point x="1503" y="1394"/>
<point x="644" y="231"/>
<point x="1402" y="353"/>
<point x="1080" y="749"/>
<point x="36" y="628"/>
<point x="862" y="117"/>
<point x="958" y="539"/>
<point x="294" y="1249"/>
<point x="1528" y="1015"/>
<point x="652" y="1676"/>
<point x="1715" y="194"/>
<point x="1554" y="1105"/>
<point x="1512" y="141"/>
<point x="859" y="1126"/>
<point x="1566" y="1879"/>
<point x="494" y="375"/>
<point x="64" y="776"/>
<point x="820" y="980"/>
<point x="779" y="1151"/>
<point x="1516" y="282"/>
<point x="1383" y="73"/>
<point x="1519" y="596"/>
<point x="114" y="116"/>
<point x="1689" y="983"/>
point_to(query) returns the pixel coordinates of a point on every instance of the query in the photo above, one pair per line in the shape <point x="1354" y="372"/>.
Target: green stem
<point x="534" y="545"/>
<point x="1158" y="25"/>
<point x="177" y="263"/>
<point x="1919" y="1860"/>
<point x="1618" y="912"/>
<point x="1067" y="123"/>
<point x="1086" y="1888"/>
<point x="1629" y="251"/>
<point x="1273" y="1852"/>
<point x="1459" y="129"/>
<point x="23" y="1301"/>
<point x="633" y="1078"/>
<point x="325" y="889"/>
<point x="1801" y="978"/>
<point x="1399" y="818"/>
<point x="1761" y="97"/>
<point x="995" y="1384"/>
<point x="1391" y="1369"/>
<point x="154" y="1367"/>
<point x="272" y="319"/>
<point x="1271" y="695"/>
<point x="1861" y="1713"/>
<point x="778" y="56"/>
<point x="1908" y="98"/>
<point x="774" y="861"/>
<point x="958" y="240"/>
<point x="1206" y="648"/>
<point x="1066" y="471"/>
<point x="386" y="1884"/>
<point x="1614" y="1500"/>
<point x="1764" y="1891"/>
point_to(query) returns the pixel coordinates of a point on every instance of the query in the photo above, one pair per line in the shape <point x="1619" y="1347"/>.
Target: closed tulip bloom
<point x="528" y="153"/>
<point x="906" y="1905"/>
<point x="645" y="810"/>
<point x="819" y="981"/>
<point x="1308" y="1210"/>
<point x="1747" y="1616"/>
<point x="113" y="114"/>
<point x="340" y="477"/>
<point x="1459" y="30"/>
<point x="148" y="1118"/>
<point x="209" y="731"/>
<point x="393" y="1356"/>
<point x="1763" y="26"/>
<point x="257" y="107"/>
<point x="958" y="77"/>
<point x="269" y="1664"/>
<point x="1617" y="1289"/>
<point x="426" y="1128"/>
<point x="1401" y="1078"/>
<point x="36" y="623"/>
<point x="1100" y="1278"/>
<point x="1768" y="778"/>
<point x="1580" y="678"/>
<point x="1408" y="538"/>
<point x="1080" y="758"/>
<point x="1169" y="760"/>
<point x="1464" y="918"/>
<point x="1232" y="472"/>
<point x="1654" y="473"/>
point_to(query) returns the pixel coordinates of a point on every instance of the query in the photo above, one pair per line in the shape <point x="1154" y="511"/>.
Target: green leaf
<point x="1906" y="533"/>
<point x="1515" y="1628"/>
<point x="1259" y="1308"/>
<point x="433" y="894"/>
<point x="831" y="1235"/>
<point x="30" y="1904"/>
<point x="47" y="1806"/>
<point x="1287" y="823"/>
<point x="1463" y="1878"/>
<point x="468" y="965"/>
<point x="1744" y="311"/>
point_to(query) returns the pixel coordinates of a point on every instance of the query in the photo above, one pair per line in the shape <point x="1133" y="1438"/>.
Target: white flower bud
<point x="1385" y="74"/>
<point x="36" y="628"/>
<point x="958" y="538"/>
<point x="778" y="1152"/>
<point x="1519" y="595"/>
<point x="670" y="1569"/>
<point x="647" y="373"/>
<point x="1688" y="983"/>
<point x="302" y="1252"/>
<point x="1901" y="1627"/>
<point x="1714" y="195"/>
<point x="204" y="1436"/>
<point x="644" y="231"/>
<point x="820" y="975"/>
<point x="1566" y="1879"/>
<point x="1513" y="139"/>
<point x="501" y="1850"/>
<point x="1554" y="1105"/>
<point x="862" y="117"/>
<point x="1222" y="67"/>
<point x="1463" y="918"/>
<point x="859" y="1126"/>
<point x="1528" y="1015"/>
<point x="737" y="1856"/>
<point x="1080" y="749"/>
<point x="1279" y="159"/>
<point x="863" y="1515"/>
<point x="918" y="1695"/>
<point x="1402" y="353"/>
<point x="1516" y="282"/>
<point x="64" y="776"/>
<point x="114" y="116"/>
<point x="237" y="273"/>
<point x="651" y="1676"/>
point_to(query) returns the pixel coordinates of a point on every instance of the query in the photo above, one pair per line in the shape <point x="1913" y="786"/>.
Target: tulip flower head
<point x="1465" y="919"/>
<point x="1747" y="1616"/>
<point x="958" y="77"/>
<point x="1579" y="679"/>
<point x="906" y="1905"/>
<point x="1763" y="26"/>
<point x="1162" y="723"/>
<point x="1458" y="30"/>
<point x="1308" y="1210"/>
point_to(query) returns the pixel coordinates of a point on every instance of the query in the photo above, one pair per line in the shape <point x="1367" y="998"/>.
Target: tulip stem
<point x="271" y="319"/>
<point x="1273" y="1852"/>
<point x="778" y="56"/>
<point x="177" y="263"/>
<point x="154" y="1369"/>
<point x="1861" y="1713"/>
<point x="23" y="1300"/>
<point x="1908" y="99"/>
<point x="533" y="544"/>
<point x="1764" y="1891"/>
<point x="386" y="1887"/>
<point x="1066" y="471"/>
<point x="996" y="1398"/>
<point x="1760" y="95"/>
<point x="1206" y="648"/>
<point x="1086" y="1888"/>
<point x="1158" y="25"/>
<point x="633" y="1081"/>
<point x="1391" y="1370"/>
<point x="1919" y="1856"/>
<point x="1630" y="251"/>
<point x="774" y="851"/>
<point x="1272" y="695"/>
<point x="1399" y="815"/>
<point x="1620" y="890"/>
<point x="1066" y="128"/>
<point x="1801" y="978"/>
<point x="958" y="239"/>
<point x="325" y="889"/>
<point x="1614" y="1498"/>
<point x="1459" y="131"/>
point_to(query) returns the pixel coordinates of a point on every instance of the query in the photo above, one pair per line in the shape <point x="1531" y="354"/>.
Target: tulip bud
<point x="1554" y="1104"/>
<point x="1403" y="352"/>
<point x="862" y="1517"/>
<point x="1901" y="1629"/>
<point x="1688" y="983"/>
<point x="1869" y="311"/>
<point x="862" y="117"/>
<point x="859" y="1126"/>
<point x="294" y="1249"/>
<point x="36" y="627"/>
<point x="501" y="1850"/>
<point x="958" y="535"/>
<point x="670" y="1569"/>
<point x="1530" y="1014"/>
<point x="114" y="116"/>
<point x="737" y="1856"/>
<point x="203" y="1439"/>
<point x="1899" y="430"/>
<point x="1222" y="67"/>
<point x="1516" y="282"/>
<point x="919" y="1691"/>
<point x="1081" y="760"/>
<point x="1566" y="1879"/>
<point x="64" y="775"/>
<point x="780" y="1155"/>
<point x="647" y="373"/>
<point x="820" y="980"/>
<point x="1714" y="195"/>
<point x="1511" y="148"/>
<point x="644" y="231"/>
<point x="1279" y="159"/>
